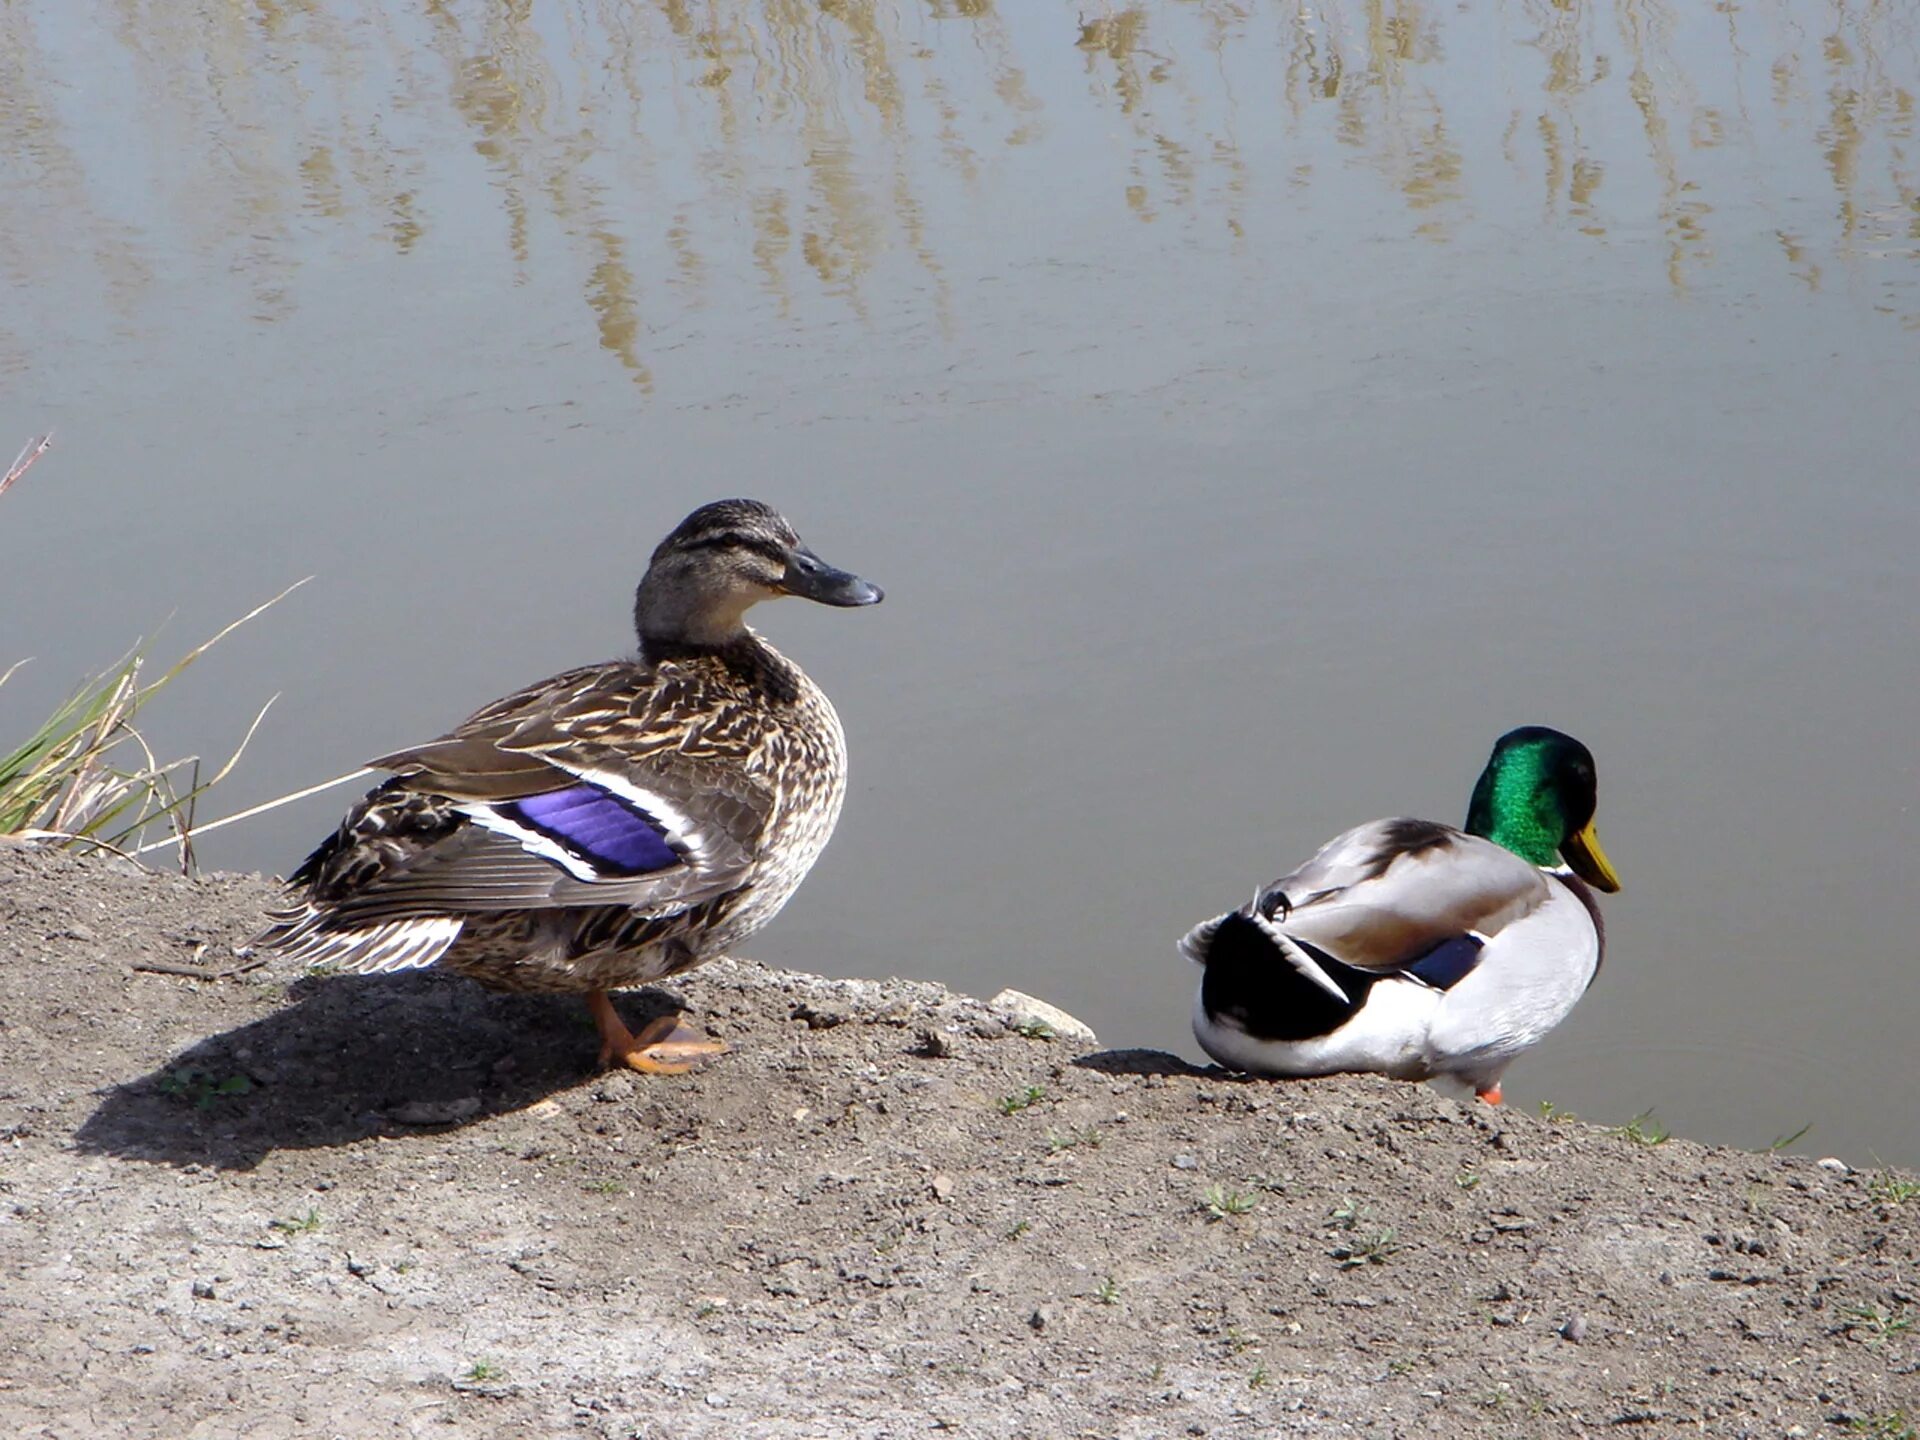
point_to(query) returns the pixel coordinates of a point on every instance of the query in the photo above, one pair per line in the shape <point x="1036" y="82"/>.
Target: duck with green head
<point x="1412" y="949"/>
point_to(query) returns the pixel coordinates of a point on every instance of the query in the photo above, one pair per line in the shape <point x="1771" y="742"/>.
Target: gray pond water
<point x="1250" y="409"/>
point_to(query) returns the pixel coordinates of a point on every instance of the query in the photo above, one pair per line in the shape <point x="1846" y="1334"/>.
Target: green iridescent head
<point x="1536" y="797"/>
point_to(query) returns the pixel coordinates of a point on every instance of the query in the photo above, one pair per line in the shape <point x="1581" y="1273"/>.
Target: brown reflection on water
<point x="1879" y="217"/>
<point x="669" y="158"/>
<point x="1574" y="173"/>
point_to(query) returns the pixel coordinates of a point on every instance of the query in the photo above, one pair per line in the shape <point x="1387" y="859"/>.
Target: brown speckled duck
<point x="612" y="825"/>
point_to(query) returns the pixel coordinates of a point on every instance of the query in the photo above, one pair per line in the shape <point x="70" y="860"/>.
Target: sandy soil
<point x="258" y="1204"/>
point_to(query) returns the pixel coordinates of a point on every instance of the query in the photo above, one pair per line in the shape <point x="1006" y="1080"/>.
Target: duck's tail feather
<point x="305" y="936"/>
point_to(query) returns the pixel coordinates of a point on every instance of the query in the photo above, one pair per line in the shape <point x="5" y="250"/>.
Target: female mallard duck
<point x="614" y="824"/>
<point x="1414" y="949"/>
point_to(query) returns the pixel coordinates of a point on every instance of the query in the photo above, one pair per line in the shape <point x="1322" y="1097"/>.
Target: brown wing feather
<point x="657" y="728"/>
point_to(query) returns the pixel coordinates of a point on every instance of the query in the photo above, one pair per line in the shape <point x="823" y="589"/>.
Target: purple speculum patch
<point x="606" y="831"/>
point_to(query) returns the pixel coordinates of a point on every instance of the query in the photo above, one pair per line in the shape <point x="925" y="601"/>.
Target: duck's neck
<point x="668" y="617"/>
<point x="1507" y="809"/>
<point x="740" y="649"/>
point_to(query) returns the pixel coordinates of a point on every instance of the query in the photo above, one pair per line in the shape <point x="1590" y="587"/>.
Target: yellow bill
<point x="1583" y="853"/>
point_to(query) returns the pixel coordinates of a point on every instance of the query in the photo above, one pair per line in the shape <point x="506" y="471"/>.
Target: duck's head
<point x="722" y="560"/>
<point x="1536" y="797"/>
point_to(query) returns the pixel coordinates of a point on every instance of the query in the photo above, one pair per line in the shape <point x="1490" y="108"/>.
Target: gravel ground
<point x="235" y="1202"/>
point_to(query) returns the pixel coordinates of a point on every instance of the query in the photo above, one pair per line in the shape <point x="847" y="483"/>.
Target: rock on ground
<point x="266" y="1205"/>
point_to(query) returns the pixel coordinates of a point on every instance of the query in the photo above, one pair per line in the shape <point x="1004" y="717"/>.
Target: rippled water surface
<point x="1251" y="410"/>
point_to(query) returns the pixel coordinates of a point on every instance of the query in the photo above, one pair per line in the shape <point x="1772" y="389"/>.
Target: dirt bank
<point x="264" y="1205"/>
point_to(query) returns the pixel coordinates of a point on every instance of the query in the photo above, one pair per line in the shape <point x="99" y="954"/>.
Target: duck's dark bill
<point x="811" y="578"/>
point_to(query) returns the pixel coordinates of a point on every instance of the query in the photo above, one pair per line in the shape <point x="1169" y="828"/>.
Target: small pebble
<point x="614" y="1089"/>
<point x="932" y="1045"/>
<point x="1829" y="1163"/>
<point x="1575" y="1330"/>
<point x="435" y="1112"/>
<point x="203" y="1290"/>
<point x="1038" y="1320"/>
<point x="1185" y="1162"/>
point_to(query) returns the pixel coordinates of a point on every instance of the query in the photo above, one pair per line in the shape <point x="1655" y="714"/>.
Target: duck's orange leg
<point x="667" y="1045"/>
<point x="1491" y="1094"/>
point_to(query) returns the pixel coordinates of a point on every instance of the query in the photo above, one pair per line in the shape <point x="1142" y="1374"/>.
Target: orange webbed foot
<point x="666" y="1045"/>
<point x="1491" y="1094"/>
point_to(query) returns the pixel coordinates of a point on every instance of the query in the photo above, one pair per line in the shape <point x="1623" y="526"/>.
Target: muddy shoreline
<point x="235" y="1202"/>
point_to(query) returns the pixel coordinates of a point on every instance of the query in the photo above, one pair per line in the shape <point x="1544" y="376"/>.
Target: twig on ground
<point x="197" y="972"/>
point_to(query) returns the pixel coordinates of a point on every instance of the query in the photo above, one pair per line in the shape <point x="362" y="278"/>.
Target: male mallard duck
<point x="1414" y="949"/>
<point x="614" y="824"/>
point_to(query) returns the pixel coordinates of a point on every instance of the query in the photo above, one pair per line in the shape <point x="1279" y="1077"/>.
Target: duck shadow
<point x="1147" y="1062"/>
<point x="352" y="1058"/>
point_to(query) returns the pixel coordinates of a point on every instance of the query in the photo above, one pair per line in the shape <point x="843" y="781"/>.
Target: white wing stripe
<point x="530" y="840"/>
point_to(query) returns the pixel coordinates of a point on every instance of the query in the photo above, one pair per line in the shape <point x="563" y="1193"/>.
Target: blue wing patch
<point x="613" y="835"/>
<point x="1448" y="963"/>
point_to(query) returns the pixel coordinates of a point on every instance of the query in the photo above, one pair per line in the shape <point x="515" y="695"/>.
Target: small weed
<point x="1090" y="1138"/>
<point x="1892" y="1425"/>
<point x="1467" y="1180"/>
<point x="1108" y="1291"/>
<point x="1238" y="1341"/>
<point x="1348" y="1214"/>
<point x="298" y="1225"/>
<point x="604" y="1187"/>
<point x="1889" y="1189"/>
<point x="401" y="1267"/>
<point x="707" y="1309"/>
<point x="1259" y="1377"/>
<point x="1781" y="1142"/>
<point x="200" y="1089"/>
<point x="1872" y="1326"/>
<point x="1014" y="1104"/>
<point x="1643" y="1129"/>
<point x="1553" y="1114"/>
<point x="1020" y="1227"/>
<point x="1158" y="1373"/>
<point x="1401" y="1367"/>
<point x="1034" y="1029"/>
<point x="1373" y="1248"/>
<point x="1221" y="1202"/>
<point x="481" y="1371"/>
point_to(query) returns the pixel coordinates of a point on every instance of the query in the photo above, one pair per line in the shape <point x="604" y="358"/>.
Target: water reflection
<point x="839" y="138"/>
